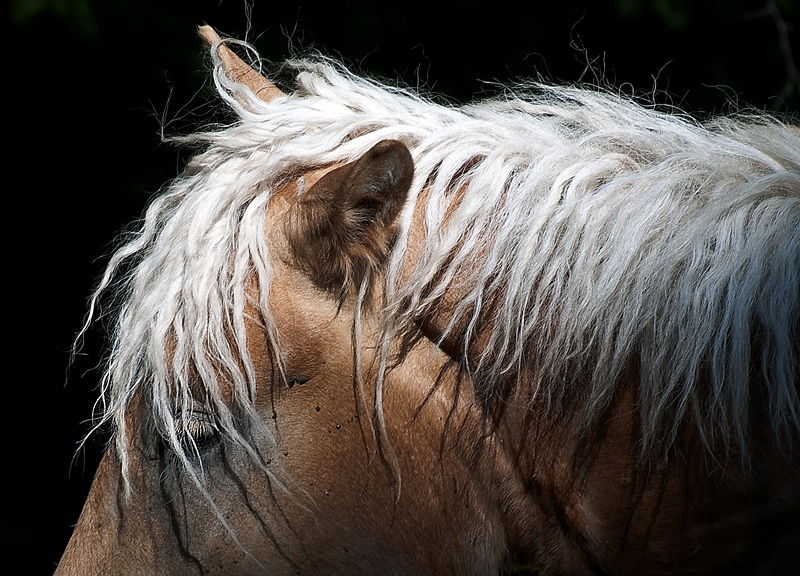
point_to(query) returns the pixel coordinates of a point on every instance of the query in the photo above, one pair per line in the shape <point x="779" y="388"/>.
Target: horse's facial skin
<point x="345" y="508"/>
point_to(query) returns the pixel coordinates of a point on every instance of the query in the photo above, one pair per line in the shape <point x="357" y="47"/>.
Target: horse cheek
<point x="123" y="532"/>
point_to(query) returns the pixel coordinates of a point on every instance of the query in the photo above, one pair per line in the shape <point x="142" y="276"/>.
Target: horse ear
<point x="343" y="227"/>
<point x="236" y="69"/>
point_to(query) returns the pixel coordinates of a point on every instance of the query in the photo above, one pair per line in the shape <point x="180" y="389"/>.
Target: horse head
<point x="258" y="454"/>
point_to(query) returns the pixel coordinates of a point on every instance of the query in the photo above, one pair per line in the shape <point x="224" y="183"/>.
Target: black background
<point x="92" y="82"/>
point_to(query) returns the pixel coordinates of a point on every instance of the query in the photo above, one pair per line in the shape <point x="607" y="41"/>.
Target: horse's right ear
<point x="343" y="227"/>
<point x="236" y="69"/>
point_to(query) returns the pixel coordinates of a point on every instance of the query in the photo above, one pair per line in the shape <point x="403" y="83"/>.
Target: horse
<point x="555" y="331"/>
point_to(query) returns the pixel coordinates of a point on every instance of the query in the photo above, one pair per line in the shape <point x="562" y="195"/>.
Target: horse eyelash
<point x="197" y="431"/>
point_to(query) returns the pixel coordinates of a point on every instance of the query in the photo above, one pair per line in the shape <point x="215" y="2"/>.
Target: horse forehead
<point x="310" y="327"/>
<point x="304" y="316"/>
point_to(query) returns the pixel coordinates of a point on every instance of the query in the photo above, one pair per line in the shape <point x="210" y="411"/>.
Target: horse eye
<point x="196" y="431"/>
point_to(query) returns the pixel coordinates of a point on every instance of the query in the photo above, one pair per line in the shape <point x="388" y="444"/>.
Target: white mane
<point x="623" y="233"/>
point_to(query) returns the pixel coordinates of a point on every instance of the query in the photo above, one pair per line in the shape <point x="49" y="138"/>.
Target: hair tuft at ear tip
<point x="388" y="168"/>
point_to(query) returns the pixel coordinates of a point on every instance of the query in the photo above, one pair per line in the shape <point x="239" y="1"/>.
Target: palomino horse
<point x="364" y="333"/>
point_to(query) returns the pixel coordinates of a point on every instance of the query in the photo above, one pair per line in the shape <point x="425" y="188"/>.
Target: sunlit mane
<point x="608" y="233"/>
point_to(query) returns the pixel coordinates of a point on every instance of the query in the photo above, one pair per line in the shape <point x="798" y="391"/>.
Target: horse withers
<point x="363" y="333"/>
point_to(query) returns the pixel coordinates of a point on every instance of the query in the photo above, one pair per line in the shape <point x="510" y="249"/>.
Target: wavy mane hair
<point x="611" y="234"/>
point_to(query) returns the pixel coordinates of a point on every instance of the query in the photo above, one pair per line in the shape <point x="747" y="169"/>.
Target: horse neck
<point x="578" y="476"/>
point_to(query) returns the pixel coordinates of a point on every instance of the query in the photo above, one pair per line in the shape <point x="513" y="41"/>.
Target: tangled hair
<point x="609" y="234"/>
